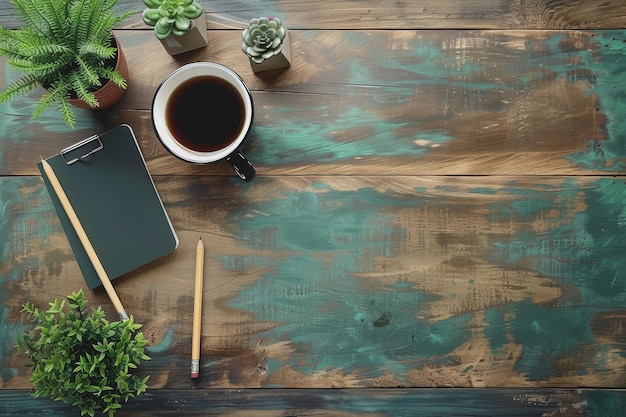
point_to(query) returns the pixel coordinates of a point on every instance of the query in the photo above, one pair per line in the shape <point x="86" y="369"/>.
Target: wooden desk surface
<point x="440" y="203"/>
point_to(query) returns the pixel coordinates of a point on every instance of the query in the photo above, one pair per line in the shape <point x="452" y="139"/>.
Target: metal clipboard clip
<point x="77" y="147"/>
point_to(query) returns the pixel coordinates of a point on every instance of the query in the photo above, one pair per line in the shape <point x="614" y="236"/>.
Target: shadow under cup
<point x="202" y="113"/>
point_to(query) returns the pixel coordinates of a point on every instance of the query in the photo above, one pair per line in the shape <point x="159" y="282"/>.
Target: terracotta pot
<point x="108" y="94"/>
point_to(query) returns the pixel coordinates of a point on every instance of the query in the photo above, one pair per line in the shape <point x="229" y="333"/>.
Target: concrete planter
<point x="195" y="38"/>
<point x="283" y="59"/>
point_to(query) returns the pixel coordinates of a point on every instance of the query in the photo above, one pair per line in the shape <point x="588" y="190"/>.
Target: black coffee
<point x="205" y="113"/>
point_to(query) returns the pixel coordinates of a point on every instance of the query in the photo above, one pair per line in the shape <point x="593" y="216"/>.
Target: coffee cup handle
<point x="242" y="167"/>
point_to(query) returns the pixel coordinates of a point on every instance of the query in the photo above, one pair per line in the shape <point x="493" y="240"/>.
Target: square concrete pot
<point x="195" y="38"/>
<point x="283" y="59"/>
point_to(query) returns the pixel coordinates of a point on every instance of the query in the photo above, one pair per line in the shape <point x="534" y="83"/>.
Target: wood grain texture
<point x="441" y="203"/>
<point x="332" y="281"/>
<point x="441" y="102"/>
<point x="348" y="403"/>
<point x="414" y="14"/>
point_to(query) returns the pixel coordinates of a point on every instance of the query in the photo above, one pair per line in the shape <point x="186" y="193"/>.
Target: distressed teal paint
<point x="164" y="344"/>
<point x="426" y="63"/>
<point x="603" y="65"/>
<point x="447" y="188"/>
<point x="608" y="66"/>
<point x="466" y="370"/>
<point x="526" y="210"/>
<point x="396" y="402"/>
<point x="18" y="210"/>
<point x="585" y="250"/>
<point x="499" y="212"/>
<point x="604" y="269"/>
<point x="496" y="331"/>
<point x="605" y="403"/>
<point x="322" y="240"/>
<point x="356" y="133"/>
<point x="339" y="329"/>
<point x="529" y="203"/>
<point x="317" y="242"/>
<point x="545" y="334"/>
<point x="482" y="190"/>
<point x="322" y="221"/>
<point x="19" y="111"/>
<point x="291" y="140"/>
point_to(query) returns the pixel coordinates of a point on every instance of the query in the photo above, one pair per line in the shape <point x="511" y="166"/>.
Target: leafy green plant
<point x="82" y="359"/>
<point x="65" y="46"/>
<point x="263" y="38"/>
<point x="170" y="17"/>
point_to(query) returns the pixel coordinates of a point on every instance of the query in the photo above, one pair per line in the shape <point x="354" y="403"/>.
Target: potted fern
<point x="67" y="47"/>
<point x="81" y="358"/>
<point x="180" y="25"/>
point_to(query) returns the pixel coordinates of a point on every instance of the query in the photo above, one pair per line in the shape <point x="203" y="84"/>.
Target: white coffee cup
<point x="202" y="113"/>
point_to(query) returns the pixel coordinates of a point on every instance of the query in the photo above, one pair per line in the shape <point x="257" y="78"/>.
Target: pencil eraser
<point x="195" y="368"/>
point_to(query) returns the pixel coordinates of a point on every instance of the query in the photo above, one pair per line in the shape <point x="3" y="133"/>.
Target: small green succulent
<point x="170" y="16"/>
<point x="263" y="38"/>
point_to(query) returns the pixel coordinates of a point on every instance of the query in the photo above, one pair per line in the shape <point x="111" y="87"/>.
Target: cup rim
<point x="175" y="79"/>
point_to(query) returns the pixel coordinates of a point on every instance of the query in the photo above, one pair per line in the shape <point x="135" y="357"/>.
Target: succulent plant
<point x="170" y="16"/>
<point x="263" y="38"/>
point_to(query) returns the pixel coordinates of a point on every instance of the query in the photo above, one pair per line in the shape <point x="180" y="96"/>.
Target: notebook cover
<point x="117" y="204"/>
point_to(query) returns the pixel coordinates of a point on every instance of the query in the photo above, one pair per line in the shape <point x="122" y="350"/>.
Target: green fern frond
<point x="51" y="96"/>
<point x="31" y="16"/>
<point x="57" y="94"/>
<point x="16" y="42"/>
<point x="88" y="73"/>
<point x="40" y="72"/>
<point x="113" y="76"/>
<point x="19" y="87"/>
<point x="32" y="54"/>
<point x="66" y="111"/>
<point x="97" y="51"/>
<point x="47" y="16"/>
<point x="40" y="54"/>
<point x="78" y="12"/>
<point x="108" y="19"/>
<point x="101" y="35"/>
<point x="82" y="90"/>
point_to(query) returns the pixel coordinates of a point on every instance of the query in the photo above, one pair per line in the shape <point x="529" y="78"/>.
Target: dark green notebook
<point x="108" y="184"/>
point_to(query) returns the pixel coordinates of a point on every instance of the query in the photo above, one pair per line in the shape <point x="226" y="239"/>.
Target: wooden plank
<point x="347" y="403"/>
<point x="358" y="281"/>
<point x="449" y="216"/>
<point x="426" y="14"/>
<point x="441" y="102"/>
<point x="415" y="14"/>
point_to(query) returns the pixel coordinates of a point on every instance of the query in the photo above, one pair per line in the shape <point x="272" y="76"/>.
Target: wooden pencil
<point x="84" y="239"/>
<point x="197" y="311"/>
